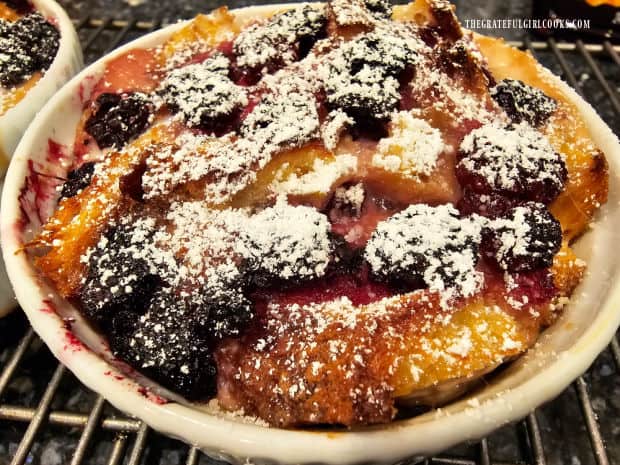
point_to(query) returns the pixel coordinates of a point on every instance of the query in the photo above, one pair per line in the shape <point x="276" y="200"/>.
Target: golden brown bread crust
<point x="354" y="371"/>
<point x="587" y="185"/>
<point x="356" y="361"/>
<point x="78" y="222"/>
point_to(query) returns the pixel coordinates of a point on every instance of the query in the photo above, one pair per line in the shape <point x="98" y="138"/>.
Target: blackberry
<point x="16" y="65"/>
<point x="389" y="54"/>
<point x="118" y="280"/>
<point x="41" y="37"/>
<point x="203" y="94"/>
<point x="166" y="345"/>
<point x="515" y="161"/>
<point x="284" y="39"/>
<point x="524" y="239"/>
<point x="381" y="9"/>
<point x="487" y="205"/>
<point x="225" y="314"/>
<point x="362" y="79"/>
<point x="77" y="180"/>
<point x="523" y="102"/>
<point x="118" y="118"/>
<point x="287" y="118"/>
<point x="425" y="246"/>
<point x="28" y="45"/>
<point x="284" y="243"/>
<point x="345" y="260"/>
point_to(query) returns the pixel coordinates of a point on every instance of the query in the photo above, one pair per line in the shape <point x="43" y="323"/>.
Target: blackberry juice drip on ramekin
<point x="322" y="216"/>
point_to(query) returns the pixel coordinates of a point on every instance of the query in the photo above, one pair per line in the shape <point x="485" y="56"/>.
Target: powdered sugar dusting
<point x="202" y="92"/>
<point x="432" y="243"/>
<point x="321" y="178"/>
<point x="510" y="150"/>
<point x="412" y="148"/>
<point x="263" y="43"/>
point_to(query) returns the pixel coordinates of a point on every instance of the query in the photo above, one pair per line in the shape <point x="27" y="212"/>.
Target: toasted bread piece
<point x="346" y="364"/>
<point x="202" y="33"/>
<point x="79" y="221"/>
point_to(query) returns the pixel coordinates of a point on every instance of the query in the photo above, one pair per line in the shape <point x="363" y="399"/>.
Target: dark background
<point x="171" y="10"/>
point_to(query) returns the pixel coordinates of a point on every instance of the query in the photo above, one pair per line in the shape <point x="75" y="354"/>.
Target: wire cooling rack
<point x="48" y="418"/>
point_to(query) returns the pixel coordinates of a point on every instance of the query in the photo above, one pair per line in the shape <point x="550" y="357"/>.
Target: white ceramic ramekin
<point x="68" y="61"/>
<point x="13" y="123"/>
<point x="563" y="352"/>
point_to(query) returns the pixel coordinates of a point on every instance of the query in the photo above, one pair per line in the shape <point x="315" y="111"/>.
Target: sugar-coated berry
<point x="282" y="40"/>
<point x="286" y="243"/>
<point x="166" y="345"/>
<point x="523" y="102"/>
<point x="425" y="246"/>
<point x="225" y="314"/>
<point x="515" y="161"/>
<point x="77" y="180"/>
<point x="118" y="118"/>
<point x="203" y="94"/>
<point x="524" y="239"/>
<point x="362" y="79"/>
<point x="117" y="279"/>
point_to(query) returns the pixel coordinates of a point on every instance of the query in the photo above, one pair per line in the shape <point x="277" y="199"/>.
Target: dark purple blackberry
<point x="77" y="180"/>
<point x="382" y="9"/>
<point x="524" y="239"/>
<point x="363" y="78"/>
<point x="345" y="260"/>
<point x="118" y="279"/>
<point x="118" y="118"/>
<point x="286" y="244"/>
<point x="284" y="39"/>
<point x="41" y="37"/>
<point x="523" y="102"/>
<point x="385" y="53"/>
<point x="166" y="345"/>
<point x="515" y="161"/>
<point x="487" y="205"/>
<point x="283" y="119"/>
<point x="225" y="314"/>
<point x="425" y="246"/>
<point x="28" y="45"/>
<point x="16" y="65"/>
<point x="203" y="94"/>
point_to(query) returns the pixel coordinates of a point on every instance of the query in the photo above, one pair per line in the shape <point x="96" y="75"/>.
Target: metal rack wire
<point x="48" y="418"/>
